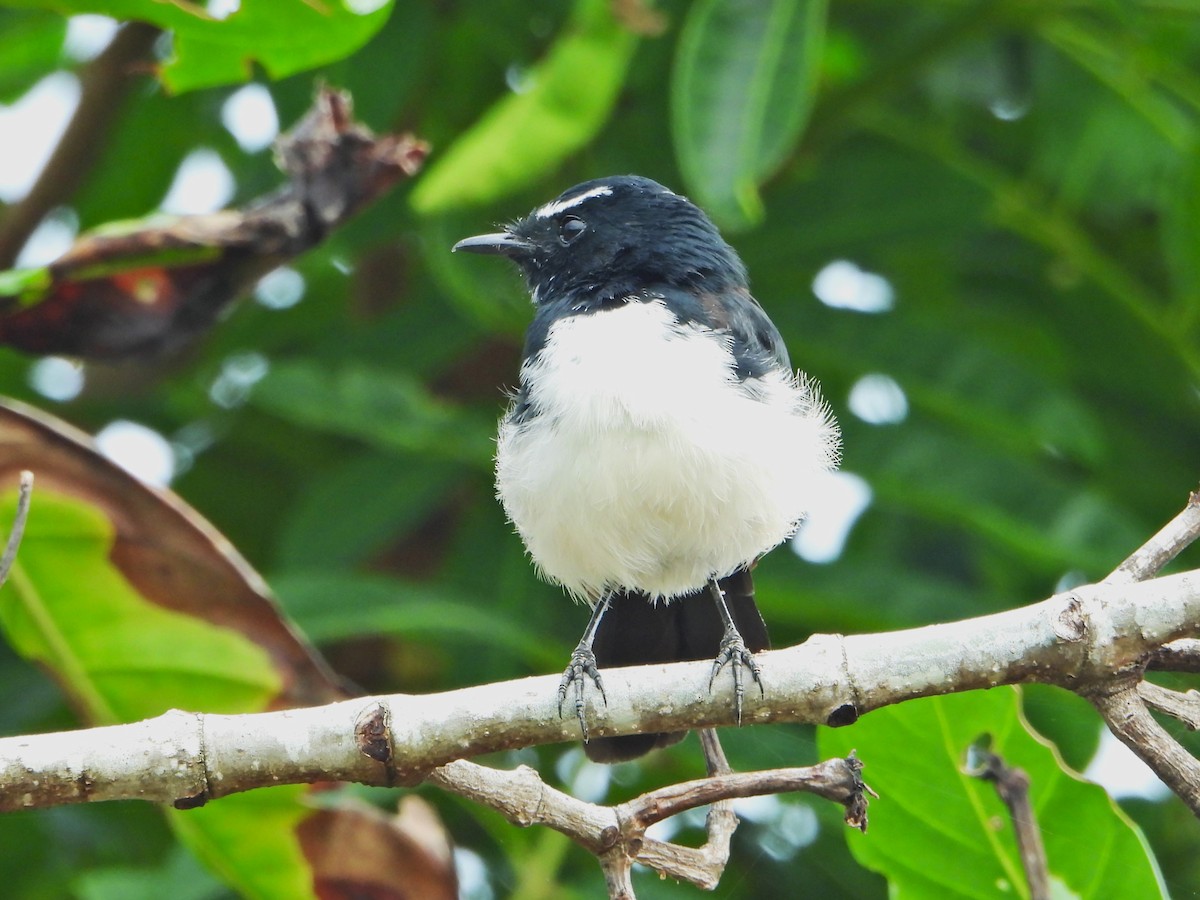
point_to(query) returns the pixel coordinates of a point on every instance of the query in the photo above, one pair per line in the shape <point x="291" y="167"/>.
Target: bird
<point x="658" y="442"/>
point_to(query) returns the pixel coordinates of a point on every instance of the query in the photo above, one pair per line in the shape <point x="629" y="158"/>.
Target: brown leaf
<point x="154" y="287"/>
<point x="163" y="547"/>
<point x="356" y="851"/>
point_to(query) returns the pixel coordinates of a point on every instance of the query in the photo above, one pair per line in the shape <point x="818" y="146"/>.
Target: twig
<point x="1123" y="702"/>
<point x="715" y="760"/>
<point x="1184" y="706"/>
<point x="704" y="864"/>
<point x="617" y="834"/>
<point x="1182" y="655"/>
<point x="1150" y="558"/>
<point x="1128" y="719"/>
<point x="24" y="493"/>
<point x="104" y="82"/>
<point x="839" y="780"/>
<point x="1012" y="785"/>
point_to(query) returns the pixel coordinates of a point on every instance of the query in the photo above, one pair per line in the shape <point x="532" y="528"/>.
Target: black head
<point x="612" y="237"/>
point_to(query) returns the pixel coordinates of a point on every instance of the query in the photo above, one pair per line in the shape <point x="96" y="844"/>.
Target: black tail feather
<point x="635" y="632"/>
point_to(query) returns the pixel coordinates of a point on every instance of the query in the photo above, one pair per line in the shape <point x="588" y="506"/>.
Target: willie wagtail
<point x="660" y="441"/>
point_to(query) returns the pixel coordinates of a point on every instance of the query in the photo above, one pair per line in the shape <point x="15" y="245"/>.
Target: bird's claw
<point x="581" y="667"/>
<point x="733" y="651"/>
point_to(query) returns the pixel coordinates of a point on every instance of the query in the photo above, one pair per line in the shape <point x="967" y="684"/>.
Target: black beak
<point x="502" y="243"/>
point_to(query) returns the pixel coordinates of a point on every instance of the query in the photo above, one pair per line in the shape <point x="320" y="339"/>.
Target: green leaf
<point x="122" y="657"/>
<point x="743" y="85"/>
<point x="135" y="605"/>
<point x="283" y="36"/>
<point x="937" y="832"/>
<point x="388" y="409"/>
<point x="1064" y="718"/>
<point x="250" y="841"/>
<point x="526" y="135"/>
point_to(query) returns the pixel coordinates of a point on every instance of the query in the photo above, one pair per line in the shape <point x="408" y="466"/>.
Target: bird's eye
<point x="570" y="228"/>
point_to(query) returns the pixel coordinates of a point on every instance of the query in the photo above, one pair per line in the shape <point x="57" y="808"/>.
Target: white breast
<point x="648" y="466"/>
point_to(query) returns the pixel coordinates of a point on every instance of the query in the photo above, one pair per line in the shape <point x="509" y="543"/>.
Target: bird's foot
<point x="581" y="668"/>
<point x="733" y="651"/>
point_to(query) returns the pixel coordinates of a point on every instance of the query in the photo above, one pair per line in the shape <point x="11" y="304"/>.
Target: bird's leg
<point x="583" y="666"/>
<point x="732" y="650"/>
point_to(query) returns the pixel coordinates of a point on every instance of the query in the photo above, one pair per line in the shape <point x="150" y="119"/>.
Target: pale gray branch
<point x="1150" y="558"/>
<point x="1181" y="705"/>
<point x="617" y="834"/>
<point x="1095" y="640"/>
<point x="1076" y="640"/>
<point x="1182" y="655"/>
<point x="1122" y="701"/>
<point x="1128" y="718"/>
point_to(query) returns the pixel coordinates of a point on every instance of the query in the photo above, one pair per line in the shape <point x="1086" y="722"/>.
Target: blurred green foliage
<point x="1023" y="175"/>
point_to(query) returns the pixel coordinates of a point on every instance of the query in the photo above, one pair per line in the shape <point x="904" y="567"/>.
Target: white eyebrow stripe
<point x="553" y="209"/>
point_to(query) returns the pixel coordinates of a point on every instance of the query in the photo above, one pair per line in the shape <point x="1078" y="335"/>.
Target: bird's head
<point x="612" y="237"/>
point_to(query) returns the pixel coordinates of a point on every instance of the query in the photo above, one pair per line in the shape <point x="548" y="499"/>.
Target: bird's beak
<point x="502" y="243"/>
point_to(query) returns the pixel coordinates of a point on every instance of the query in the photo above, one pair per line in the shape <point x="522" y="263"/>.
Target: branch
<point x="1128" y="719"/>
<point x="1182" y="706"/>
<point x="1182" y="655"/>
<point x="1095" y="640"/>
<point x="618" y="833"/>
<point x="1076" y="640"/>
<point x="1123" y="701"/>
<point x="104" y="82"/>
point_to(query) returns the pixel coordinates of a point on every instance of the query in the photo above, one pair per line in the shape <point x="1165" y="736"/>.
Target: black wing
<point x="758" y="347"/>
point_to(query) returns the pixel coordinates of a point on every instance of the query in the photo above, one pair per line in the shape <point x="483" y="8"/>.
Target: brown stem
<point x="1184" y="706"/>
<point x="103" y="83"/>
<point x="835" y="779"/>
<point x="1128" y="718"/>
<point x="1012" y="785"/>
<point x="18" y="527"/>
<point x="1182" y="655"/>
<point x="714" y="754"/>
<point x="616" y="835"/>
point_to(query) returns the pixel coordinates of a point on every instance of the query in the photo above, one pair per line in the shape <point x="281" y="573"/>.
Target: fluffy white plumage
<point x="649" y="466"/>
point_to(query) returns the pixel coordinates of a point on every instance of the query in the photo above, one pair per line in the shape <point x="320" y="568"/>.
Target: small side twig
<point x="1123" y="701"/>
<point x="839" y="780"/>
<point x="1182" y="655"/>
<point x="617" y="833"/>
<point x="1184" y="706"/>
<point x="1012" y="785"/>
<point x="706" y="863"/>
<point x="1170" y="540"/>
<point x="714" y="754"/>
<point x="1126" y="715"/>
<point x="24" y="494"/>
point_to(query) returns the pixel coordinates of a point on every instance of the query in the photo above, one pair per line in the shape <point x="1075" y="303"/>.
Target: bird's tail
<point x="635" y="632"/>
